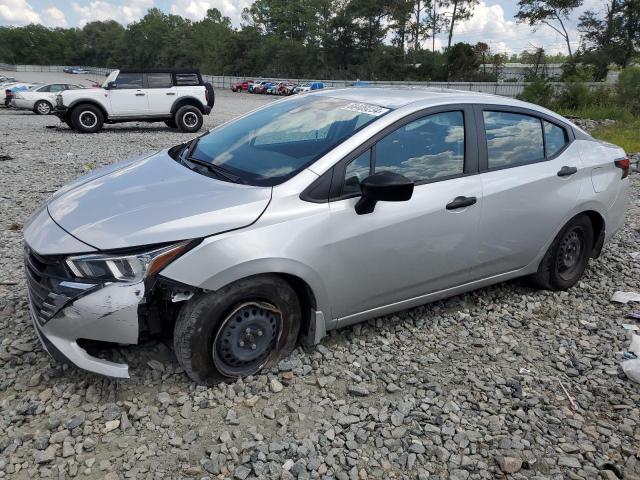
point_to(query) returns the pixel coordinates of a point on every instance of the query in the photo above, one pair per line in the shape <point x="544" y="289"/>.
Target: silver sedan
<point x="313" y="213"/>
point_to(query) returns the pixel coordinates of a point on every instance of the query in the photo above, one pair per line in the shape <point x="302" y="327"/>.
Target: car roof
<point x="396" y="97"/>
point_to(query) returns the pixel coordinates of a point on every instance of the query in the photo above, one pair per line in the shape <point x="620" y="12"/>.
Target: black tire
<point x="567" y="257"/>
<point x="210" y="348"/>
<point x="87" y="118"/>
<point x="42" y="107"/>
<point x="171" y="123"/>
<point x="70" y="124"/>
<point x="189" y="119"/>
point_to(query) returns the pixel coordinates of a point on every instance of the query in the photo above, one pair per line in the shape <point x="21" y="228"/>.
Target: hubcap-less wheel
<point x="190" y="119"/>
<point x="246" y="339"/>
<point x="570" y="253"/>
<point x="88" y="119"/>
<point x="44" y="108"/>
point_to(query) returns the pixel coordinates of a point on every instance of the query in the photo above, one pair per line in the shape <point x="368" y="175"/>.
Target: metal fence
<point x="507" y="89"/>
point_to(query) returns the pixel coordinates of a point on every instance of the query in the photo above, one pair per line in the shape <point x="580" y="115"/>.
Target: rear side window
<point x="46" y="88"/>
<point x="555" y="138"/>
<point x="426" y="149"/>
<point x="512" y="139"/>
<point x="159" y="80"/>
<point x="129" y="80"/>
<point x="187" y="79"/>
<point x="57" y="88"/>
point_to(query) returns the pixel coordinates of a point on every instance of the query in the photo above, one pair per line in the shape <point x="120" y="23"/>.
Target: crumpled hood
<point x="153" y="200"/>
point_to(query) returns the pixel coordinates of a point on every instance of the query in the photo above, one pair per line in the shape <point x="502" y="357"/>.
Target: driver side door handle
<point x="461" y="202"/>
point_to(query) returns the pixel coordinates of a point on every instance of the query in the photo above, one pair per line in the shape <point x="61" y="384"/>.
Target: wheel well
<point x="97" y="105"/>
<point x="597" y="222"/>
<point x="187" y="101"/>
<point x="306" y="298"/>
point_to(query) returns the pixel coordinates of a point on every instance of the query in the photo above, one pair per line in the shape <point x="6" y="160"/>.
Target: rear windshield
<point x="275" y="143"/>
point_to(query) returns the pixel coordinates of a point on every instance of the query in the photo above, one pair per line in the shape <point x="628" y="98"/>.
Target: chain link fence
<point x="507" y="89"/>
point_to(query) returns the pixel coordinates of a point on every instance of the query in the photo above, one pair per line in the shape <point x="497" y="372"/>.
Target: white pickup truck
<point x="177" y="97"/>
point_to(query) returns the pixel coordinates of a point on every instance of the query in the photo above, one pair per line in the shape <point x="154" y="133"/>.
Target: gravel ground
<point x="468" y="388"/>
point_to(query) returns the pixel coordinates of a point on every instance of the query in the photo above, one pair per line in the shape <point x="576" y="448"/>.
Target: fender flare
<point x="188" y="100"/>
<point x="81" y="101"/>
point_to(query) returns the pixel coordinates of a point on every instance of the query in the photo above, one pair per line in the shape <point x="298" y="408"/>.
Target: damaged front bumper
<point x="107" y="314"/>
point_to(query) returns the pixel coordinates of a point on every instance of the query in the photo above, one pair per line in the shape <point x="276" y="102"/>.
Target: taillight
<point x="625" y="165"/>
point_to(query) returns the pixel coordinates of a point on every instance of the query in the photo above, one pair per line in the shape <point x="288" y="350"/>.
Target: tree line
<point x="348" y="39"/>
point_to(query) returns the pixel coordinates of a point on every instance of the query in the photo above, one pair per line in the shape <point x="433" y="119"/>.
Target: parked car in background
<point x="273" y="88"/>
<point x="286" y="88"/>
<point x="256" y="86"/>
<point x="262" y="88"/>
<point x="245" y="241"/>
<point x="179" y="98"/>
<point x="241" y="86"/>
<point x="8" y="91"/>
<point x="41" y="99"/>
<point x="309" y="86"/>
<point x="5" y="80"/>
<point x="78" y="71"/>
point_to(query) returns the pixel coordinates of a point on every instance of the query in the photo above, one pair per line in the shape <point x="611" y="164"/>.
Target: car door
<point x="161" y="93"/>
<point x="127" y="96"/>
<point x="407" y="249"/>
<point x="531" y="176"/>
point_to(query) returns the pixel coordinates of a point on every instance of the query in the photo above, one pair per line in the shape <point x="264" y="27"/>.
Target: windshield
<point x="275" y="143"/>
<point x="110" y="78"/>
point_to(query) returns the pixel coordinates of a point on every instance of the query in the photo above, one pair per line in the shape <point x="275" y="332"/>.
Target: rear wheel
<point x="87" y="118"/>
<point x="189" y="119"/>
<point x="567" y="257"/>
<point x="237" y="330"/>
<point x="42" y="107"/>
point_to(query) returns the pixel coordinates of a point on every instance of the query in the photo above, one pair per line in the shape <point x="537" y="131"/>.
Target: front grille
<point x="49" y="283"/>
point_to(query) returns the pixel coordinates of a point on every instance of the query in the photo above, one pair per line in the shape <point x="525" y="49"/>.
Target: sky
<point x="493" y="21"/>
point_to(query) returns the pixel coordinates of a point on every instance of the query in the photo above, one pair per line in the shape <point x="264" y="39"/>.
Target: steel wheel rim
<point x="247" y="338"/>
<point x="190" y="119"/>
<point x="570" y="253"/>
<point x="43" y="108"/>
<point x="88" y="119"/>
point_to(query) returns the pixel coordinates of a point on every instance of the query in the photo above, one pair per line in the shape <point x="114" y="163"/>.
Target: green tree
<point x="552" y="13"/>
<point x="461" y="10"/>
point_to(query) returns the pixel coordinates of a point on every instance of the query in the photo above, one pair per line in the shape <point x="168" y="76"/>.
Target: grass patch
<point x="600" y="112"/>
<point x="623" y="134"/>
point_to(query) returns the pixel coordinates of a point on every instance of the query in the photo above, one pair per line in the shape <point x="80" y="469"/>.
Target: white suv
<point x="178" y="97"/>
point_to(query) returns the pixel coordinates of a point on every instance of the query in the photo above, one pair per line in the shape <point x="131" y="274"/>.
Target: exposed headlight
<point x="124" y="268"/>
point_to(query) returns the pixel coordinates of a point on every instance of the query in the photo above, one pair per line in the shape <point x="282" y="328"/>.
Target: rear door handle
<point x="566" y="171"/>
<point x="170" y="93"/>
<point x="139" y="94"/>
<point x="461" y="202"/>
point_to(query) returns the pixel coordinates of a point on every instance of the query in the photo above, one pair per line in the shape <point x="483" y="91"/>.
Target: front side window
<point x="356" y="170"/>
<point x="512" y="139"/>
<point x="274" y="143"/>
<point x="159" y="80"/>
<point x="425" y="149"/>
<point x="555" y="138"/>
<point x="129" y="81"/>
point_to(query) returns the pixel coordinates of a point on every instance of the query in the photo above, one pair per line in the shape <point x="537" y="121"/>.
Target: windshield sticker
<point x="367" y="108"/>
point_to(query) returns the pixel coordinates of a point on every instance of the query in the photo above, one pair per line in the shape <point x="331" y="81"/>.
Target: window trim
<point x="483" y="156"/>
<point x="470" y="148"/>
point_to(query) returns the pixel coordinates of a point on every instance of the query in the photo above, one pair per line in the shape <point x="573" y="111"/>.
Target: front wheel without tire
<point x="567" y="257"/>
<point x="87" y="118"/>
<point x="189" y="119"/>
<point x="237" y="330"/>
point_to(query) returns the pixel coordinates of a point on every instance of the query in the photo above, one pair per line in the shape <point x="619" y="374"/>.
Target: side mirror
<point x="383" y="186"/>
<point x="112" y="85"/>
